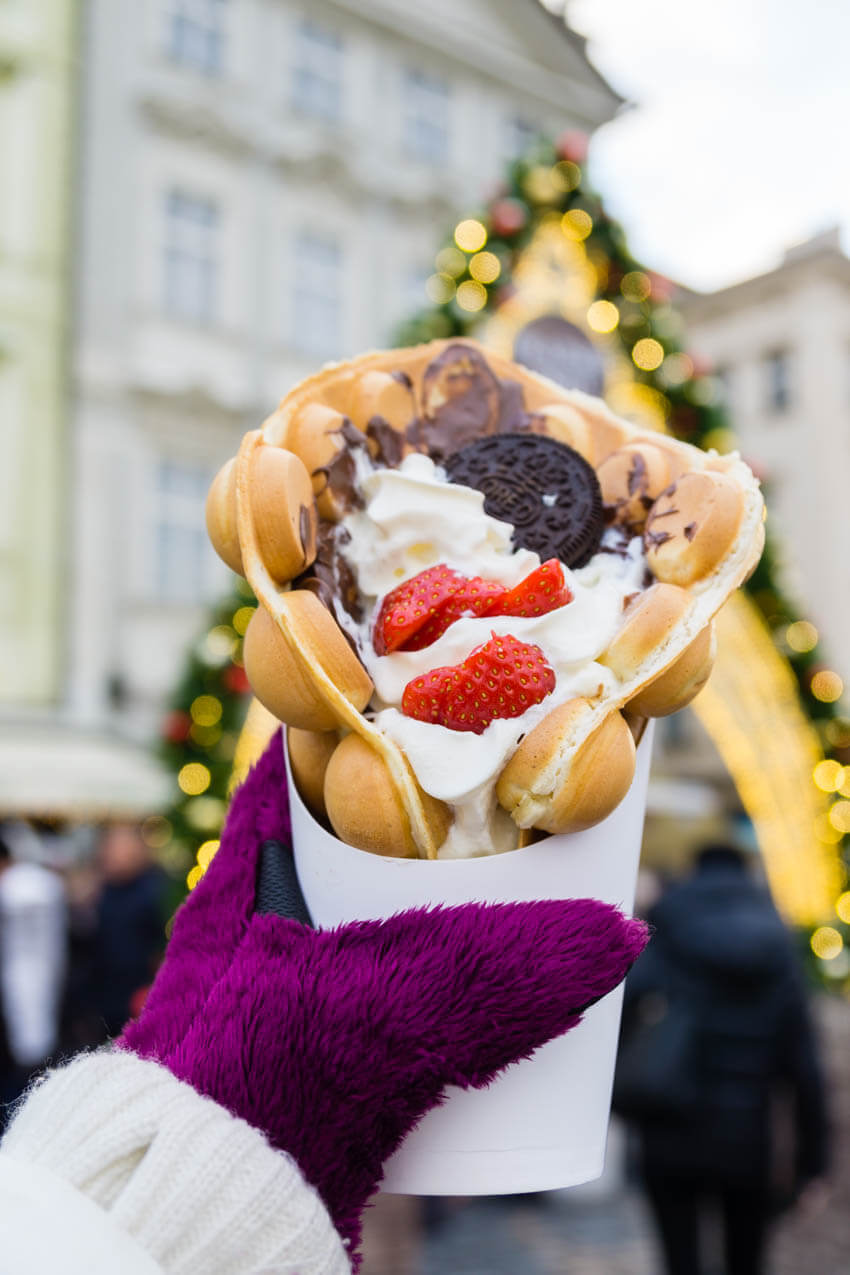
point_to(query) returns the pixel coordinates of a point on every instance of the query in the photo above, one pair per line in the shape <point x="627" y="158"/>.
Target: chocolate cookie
<point x="546" y="489"/>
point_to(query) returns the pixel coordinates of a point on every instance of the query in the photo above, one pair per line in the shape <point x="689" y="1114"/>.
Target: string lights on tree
<point x="629" y="310"/>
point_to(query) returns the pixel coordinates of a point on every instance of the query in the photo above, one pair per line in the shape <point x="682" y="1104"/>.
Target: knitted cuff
<point x="196" y="1188"/>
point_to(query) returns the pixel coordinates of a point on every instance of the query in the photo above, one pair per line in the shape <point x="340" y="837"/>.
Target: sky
<point x="737" y="145"/>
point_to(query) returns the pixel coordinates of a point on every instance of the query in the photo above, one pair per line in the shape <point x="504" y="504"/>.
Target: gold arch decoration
<point x="751" y="707"/>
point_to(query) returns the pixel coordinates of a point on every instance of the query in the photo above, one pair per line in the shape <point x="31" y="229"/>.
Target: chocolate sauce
<point x="655" y="538"/>
<point x="307" y="520"/>
<point x="330" y="576"/>
<point x="690" y="531"/>
<point x="388" y="444"/>
<point x="462" y="401"/>
<point x="637" y="475"/>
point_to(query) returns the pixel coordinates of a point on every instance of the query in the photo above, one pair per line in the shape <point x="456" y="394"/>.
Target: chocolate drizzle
<point x="340" y="473"/>
<point x="655" y="538"/>
<point x="690" y="530"/>
<point x="636" y="481"/>
<point x="307" y="520"/>
<point x="388" y="445"/>
<point x="330" y="576"/>
<point x="463" y="400"/>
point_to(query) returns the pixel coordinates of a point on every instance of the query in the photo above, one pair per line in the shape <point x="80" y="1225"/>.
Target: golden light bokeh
<point x="205" y="814"/>
<point x="720" y="440"/>
<point x="471" y="295"/>
<point x="603" y="316"/>
<point x="241" y="619"/>
<point x="576" y="224"/>
<point x="206" y="710"/>
<point x="205" y="736"/>
<point x="450" y="261"/>
<point x="485" y="267"/>
<point x="648" y="354"/>
<point x="839" y="816"/>
<point x="194" y="876"/>
<point x="542" y="186"/>
<point x="470" y="235"/>
<point x="826" y="942"/>
<point x="156" y="831"/>
<point x="842" y="907"/>
<point x="827" y="686"/>
<point x="838" y="733"/>
<point x="194" y="778"/>
<point x="566" y="175"/>
<point x="219" y="645"/>
<point x="440" y="288"/>
<point x="676" y="369"/>
<point x="828" y="775"/>
<point x="636" y="286"/>
<point x="801" y="636"/>
<point x="206" y="853"/>
<point x="826" y="832"/>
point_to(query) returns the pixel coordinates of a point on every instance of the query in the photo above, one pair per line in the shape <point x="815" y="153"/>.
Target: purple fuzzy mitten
<point x="335" y="1043"/>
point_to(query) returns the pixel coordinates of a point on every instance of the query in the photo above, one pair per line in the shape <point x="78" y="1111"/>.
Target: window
<point x="191" y="227"/>
<point x="777" y="380"/>
<point x="426" y="116"/>
<point x="186" y="567"/>
<point x="317" y="79"/>
<point x="317" y="299"/>
<point x="520" y="135"/>
<point x="196" y="34"/>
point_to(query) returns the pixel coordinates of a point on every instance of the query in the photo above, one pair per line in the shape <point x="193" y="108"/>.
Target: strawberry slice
<point x="474" y="596"/>
<point x="543" y="591"/>
<point x="502" y="678"/>
<point x="407" y="608"/>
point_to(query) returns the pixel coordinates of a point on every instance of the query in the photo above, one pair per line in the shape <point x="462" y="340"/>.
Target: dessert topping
<point x="420" y="611"/>
<point x="502" y="678"/>
<point x="545" y="489"/>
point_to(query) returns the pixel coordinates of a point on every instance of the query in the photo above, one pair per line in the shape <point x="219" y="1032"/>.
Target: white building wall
<point x="153" y="390"/>
<point x="804" y="452"/>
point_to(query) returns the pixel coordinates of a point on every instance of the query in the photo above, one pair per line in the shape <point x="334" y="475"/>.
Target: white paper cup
<point x="543" y="1123"/>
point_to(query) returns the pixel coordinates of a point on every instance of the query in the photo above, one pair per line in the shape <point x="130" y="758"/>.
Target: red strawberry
<point x="474" y="596"/>
<point x="543" y="591"/>
<point x="404" y="610"/>
<point x="503" y="678"/>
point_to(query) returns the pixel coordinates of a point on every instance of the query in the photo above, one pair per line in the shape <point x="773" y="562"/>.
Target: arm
<point x="326" y="1047"/>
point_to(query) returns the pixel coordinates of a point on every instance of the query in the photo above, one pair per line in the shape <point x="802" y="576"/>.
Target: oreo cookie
<point x="546" y="489"/>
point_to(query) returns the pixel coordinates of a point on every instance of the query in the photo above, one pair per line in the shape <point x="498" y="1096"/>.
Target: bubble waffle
<point x="303" y="501"/>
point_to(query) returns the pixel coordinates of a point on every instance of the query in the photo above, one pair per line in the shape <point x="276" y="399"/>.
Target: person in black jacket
<point x="716" y="1038"/>
<point x="129" y="937"/>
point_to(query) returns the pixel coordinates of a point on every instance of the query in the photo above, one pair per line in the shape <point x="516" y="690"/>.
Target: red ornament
<point x="507" y="217"/>
<point x="572" y="145"/>
<point x="236" y="680"/>
<point x="176" y="727"/>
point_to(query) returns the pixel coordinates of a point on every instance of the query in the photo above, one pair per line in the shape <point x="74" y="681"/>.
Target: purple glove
<point x="335" y="1043"/>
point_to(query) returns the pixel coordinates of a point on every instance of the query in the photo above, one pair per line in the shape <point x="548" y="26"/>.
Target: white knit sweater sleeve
<point x="112" y="1164"/>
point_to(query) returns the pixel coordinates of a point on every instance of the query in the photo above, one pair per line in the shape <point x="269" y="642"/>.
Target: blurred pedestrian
<point x="716" y="1034"/>
<point x="129" y="937"/>
<point x="32" y="970"/>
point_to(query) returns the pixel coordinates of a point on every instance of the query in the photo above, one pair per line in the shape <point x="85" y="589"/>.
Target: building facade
<point x="779" y="345"/>
<point x="261" y="188"/>
<point x="37" y="41"/>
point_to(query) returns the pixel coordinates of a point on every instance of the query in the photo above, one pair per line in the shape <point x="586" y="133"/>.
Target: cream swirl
<point x="413" y="519"/>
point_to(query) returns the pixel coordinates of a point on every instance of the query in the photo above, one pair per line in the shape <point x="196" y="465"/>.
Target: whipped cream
<point x="414" y="518"/>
